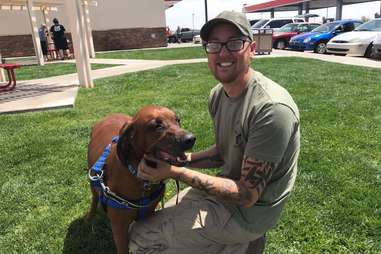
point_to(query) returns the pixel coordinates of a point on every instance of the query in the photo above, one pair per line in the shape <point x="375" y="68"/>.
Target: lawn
<point x="156" y="54"/>
<point x="336" y="203"/>
<point x="50" y="70"/>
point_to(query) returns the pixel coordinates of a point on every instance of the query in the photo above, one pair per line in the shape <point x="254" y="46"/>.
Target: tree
<point x="365" y="19"/>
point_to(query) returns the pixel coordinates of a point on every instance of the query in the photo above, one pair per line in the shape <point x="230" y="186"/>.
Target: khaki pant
<point x="198" y="224"/>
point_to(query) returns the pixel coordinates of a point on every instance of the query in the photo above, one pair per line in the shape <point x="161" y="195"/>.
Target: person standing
<point x="257" y="144"/>
<point x="59" y="39"/>
<point x="43" y="34"/>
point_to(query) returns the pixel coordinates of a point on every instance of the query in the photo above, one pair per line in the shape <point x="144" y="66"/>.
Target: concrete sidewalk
<point x="61" y="91"/>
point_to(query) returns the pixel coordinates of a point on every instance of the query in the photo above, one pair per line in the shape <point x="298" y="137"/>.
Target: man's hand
<point x="162" y="171"/>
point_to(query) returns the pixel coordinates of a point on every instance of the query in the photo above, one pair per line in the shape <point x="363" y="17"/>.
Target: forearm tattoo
<point x="224" y="188"/>
<point x="227" y="190"/>
<point x="256" y="173"/>
<point x="254" y="176"/>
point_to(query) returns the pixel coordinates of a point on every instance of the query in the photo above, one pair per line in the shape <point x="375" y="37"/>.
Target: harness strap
<point x="109" y="198"/>
<point x="177" y="191"/>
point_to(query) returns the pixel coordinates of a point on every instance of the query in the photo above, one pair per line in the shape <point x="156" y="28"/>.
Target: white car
<point x="275" y="23"/>
<point x="197" y="39"/>
<point x="357" y="42"/>
<point x="377" y="47"/>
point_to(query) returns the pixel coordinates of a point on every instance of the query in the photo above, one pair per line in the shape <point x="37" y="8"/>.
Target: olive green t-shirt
<point x="262" y="122"/>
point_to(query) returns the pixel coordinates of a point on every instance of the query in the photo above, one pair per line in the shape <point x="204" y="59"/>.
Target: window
<point x="347" y="27"/>
<point x="279" y="23"/>
<point x="260" y="23"/>
<point x="303" y="28"/>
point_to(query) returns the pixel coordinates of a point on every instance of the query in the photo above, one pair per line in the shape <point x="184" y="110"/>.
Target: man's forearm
<point x="209" y="158"/>
<point x="224" y="188"/>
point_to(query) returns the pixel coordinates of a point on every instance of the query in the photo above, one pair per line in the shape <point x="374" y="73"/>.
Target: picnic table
<point x="9" y="67"/>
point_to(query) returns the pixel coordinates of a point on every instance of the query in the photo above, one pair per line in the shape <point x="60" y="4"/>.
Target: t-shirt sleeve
<point x="270" y="132"/>
<point x="63" y="28"/>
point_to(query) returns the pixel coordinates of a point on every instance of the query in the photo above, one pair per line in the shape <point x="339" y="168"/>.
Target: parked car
<point x="185" y="34"/>
<point x="377" y="47"/>
<point x="283" y="35"/>
<point x="197" y="39"/>
<point x="275" y="23"/>
<point x="358" y="42"/>
<point x="253" y="21"/>
<point x="317" y="39"/>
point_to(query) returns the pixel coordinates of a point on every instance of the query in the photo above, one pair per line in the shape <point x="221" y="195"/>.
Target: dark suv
<point x="185" y="34"/>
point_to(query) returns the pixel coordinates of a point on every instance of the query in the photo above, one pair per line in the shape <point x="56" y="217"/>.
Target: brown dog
<point x="155" y="131"/>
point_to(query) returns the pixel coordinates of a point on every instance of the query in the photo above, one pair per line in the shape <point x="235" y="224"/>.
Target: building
<point x="115" y="24"/>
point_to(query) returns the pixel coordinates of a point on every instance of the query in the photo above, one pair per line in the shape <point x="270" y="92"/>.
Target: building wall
<point x="116" y="24"/>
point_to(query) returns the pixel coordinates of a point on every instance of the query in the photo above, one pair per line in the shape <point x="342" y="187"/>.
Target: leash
<point x="109" y="198"/>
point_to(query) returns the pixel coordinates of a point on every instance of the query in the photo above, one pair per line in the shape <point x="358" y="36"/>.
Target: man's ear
<point x="252" y="48"/>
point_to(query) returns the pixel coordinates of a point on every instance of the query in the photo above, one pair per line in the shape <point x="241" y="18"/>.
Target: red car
<point x="282" y="36"/>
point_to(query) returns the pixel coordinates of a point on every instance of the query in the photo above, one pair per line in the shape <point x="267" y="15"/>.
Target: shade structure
<point x="170" y="3"/>
<point x="77" y="13"/>
<point x="294" y="5"/>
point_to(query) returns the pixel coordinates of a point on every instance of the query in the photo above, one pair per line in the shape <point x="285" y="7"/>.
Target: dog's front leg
<point x="120" y="222"/>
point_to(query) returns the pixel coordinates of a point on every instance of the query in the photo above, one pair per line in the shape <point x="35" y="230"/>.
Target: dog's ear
<point x="127" y="130"/>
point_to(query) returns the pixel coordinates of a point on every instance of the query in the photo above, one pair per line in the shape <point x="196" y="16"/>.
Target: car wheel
<point x="369" y="52"/>
<point x="281" y="44"/>
<point x="321" y="48"/>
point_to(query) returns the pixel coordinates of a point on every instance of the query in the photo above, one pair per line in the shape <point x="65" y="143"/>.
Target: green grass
<point x="50" y="70"/>
<point x="335" y="206"/>
<point x="156" y="54"/>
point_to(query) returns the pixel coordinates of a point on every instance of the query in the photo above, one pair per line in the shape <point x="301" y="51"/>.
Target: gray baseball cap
<point x="238" y="19"/>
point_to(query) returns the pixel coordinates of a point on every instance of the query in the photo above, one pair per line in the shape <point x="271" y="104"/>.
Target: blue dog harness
<point x="109" y="198"/>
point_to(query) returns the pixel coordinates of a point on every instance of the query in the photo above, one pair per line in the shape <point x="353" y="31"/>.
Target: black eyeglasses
<point x="231" y="45"/>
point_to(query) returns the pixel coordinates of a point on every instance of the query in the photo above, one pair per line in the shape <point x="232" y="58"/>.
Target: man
<point x="59" y="38"/>
<point x="257" y="146"/>
<point x="43" y="34"/>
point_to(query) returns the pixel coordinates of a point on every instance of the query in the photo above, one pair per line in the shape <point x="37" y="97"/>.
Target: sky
<point x="191" y="13"/>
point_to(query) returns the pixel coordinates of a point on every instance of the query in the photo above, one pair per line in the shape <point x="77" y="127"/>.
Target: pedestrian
<point x="178" y="34"/>
<point x="257" y="143"/>
<point x="43" y="34"/>
<point x="59" y="39"/>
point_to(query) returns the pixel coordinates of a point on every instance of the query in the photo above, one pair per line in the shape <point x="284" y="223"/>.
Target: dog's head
<point x="156" y="131"/>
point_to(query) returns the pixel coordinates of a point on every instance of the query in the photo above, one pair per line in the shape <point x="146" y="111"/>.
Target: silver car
<point x="377" y="47"/>
<point x="358" y="42"/>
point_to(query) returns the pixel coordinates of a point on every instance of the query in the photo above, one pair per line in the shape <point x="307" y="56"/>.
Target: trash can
<point x="264" y="40"/>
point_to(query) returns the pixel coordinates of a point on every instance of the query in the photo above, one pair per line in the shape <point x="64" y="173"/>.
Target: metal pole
<point x="206" y="11"/>
<point x="339" y="9"/>
<point x="193" y="21"/>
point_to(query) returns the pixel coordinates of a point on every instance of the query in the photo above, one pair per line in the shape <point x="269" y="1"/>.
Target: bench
<point x="11" y="77"/>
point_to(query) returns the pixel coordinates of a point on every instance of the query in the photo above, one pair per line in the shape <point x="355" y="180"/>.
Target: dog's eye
<point x="158" y="124"/>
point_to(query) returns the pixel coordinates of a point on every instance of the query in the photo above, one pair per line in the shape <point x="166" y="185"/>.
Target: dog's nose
<point x="187" y="141"/>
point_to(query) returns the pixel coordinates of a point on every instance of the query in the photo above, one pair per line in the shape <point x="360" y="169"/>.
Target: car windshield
<point x="288" y="28"/>
<point x="260" y="23"/>
<point x="325" y="28"/>
<point x="373" y="25"/>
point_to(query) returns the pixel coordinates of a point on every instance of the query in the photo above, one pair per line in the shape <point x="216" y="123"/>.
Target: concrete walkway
<point x="61" y="91"/>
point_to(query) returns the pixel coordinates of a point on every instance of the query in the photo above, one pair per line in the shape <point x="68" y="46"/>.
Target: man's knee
<point x="257" y="246"/>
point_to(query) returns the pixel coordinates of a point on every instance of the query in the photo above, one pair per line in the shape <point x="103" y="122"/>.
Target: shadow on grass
<point x="94" y="237"/>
